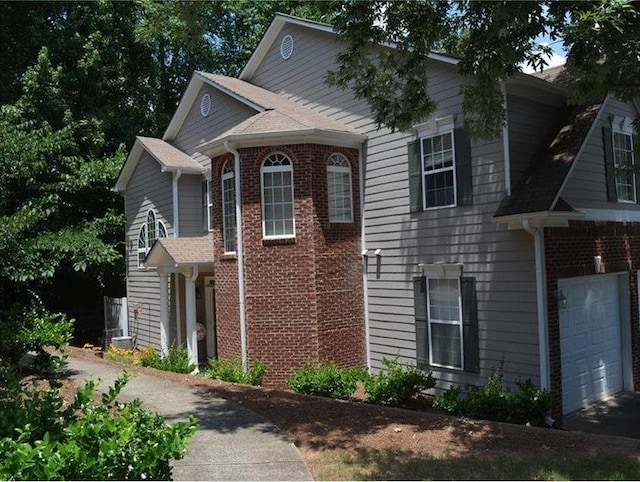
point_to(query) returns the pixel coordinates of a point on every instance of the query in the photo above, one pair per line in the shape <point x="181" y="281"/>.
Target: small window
<point x="623" y="161"/>
<point x="277" y="197"/>
<point x="150" y="231"/>
<point x="205" y="105"/>
<point x="286" y="47"/>
<point x="339" y="189"/>
<point x="207" y="206"/>
<point x="438" y="170"/>
<point x="444" y="309"/>
<point x="229" y="208"/>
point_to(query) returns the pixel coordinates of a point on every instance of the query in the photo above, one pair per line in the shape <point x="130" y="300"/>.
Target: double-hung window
<point x="276" y="175"/>
<point x="624" y="162"/>
<point x="150" y="231"/>
<point x="438" y="170"/>
<point x="207" y="206"/>
<point x="339" y="189"/>
<point x="445" y="322"/>
<point x="229" y="231"/>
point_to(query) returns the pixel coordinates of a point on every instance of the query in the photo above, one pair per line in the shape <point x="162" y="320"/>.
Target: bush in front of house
<point x="492" y="401"/>
<point x="396" y="385"/>
<point x="176" y="360"/>
<point x="326" y="379"/>
<point x="230" y="370"/>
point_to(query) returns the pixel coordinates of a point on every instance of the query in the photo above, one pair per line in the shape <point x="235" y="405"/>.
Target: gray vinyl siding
<point x="148" y="189"/>
<point x="586" y="186"/>
<point x="190" y="205"/>
<point x="531" y="124"/>
<point x="501" y="260"/>
<point x="226" y="112"/>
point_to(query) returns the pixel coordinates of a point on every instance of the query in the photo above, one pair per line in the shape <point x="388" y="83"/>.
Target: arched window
<point x="151" y="230"/>
<point x="228" y="208"/>
<point x="276" y="176"/>
<point x="339" y="189"/>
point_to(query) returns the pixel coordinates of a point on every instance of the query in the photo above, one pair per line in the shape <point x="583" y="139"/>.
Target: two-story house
<point x="273" y="220"/>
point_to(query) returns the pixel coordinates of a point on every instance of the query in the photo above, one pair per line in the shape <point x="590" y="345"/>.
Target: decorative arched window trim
<point x="339" y="189"/>
<point x="150" y="231"/>
<point x="276" y="188"/>
<point x="229" y="230"/>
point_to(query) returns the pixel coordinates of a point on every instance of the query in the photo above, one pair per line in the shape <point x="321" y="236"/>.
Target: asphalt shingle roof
<point x="185" y="250"/>
<point x="169" y="156"/>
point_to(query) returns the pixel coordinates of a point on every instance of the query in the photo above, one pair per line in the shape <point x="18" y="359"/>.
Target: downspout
<point x="505" y="142"/>
<point x="176" y="211"/>
<point x="240" y="255"/>
<point x="541" y="292"/>
<point x="365" y="258"/>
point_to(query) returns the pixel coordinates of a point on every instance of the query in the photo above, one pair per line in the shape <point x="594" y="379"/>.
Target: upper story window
<point x="150" y="231"/>
<point x="276" y="176"/>
<point x="229" y="231"/>
<point x="623" y="161"/>
<point x="207" y="206"/>
<point x="440" y="166"/>
<point x="339" y="189"/>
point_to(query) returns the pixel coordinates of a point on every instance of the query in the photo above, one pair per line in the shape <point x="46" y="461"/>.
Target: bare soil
<point x="319" y="426"/>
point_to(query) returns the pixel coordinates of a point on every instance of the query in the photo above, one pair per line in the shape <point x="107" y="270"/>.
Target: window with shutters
<point x="228" y="208"/>
<point x="444" y="308"/>
<point x="440" y="166"/>
<point x="623" y="162"/>
<point x="276" y="176"/>
<point x="150" y="231"/>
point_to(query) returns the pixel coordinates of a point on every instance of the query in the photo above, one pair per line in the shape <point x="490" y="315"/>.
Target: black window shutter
<point x="470" y="325"/>
<point x="415" y="176"/>
<point x="609" y="166"/>
<point x="464" y="179"/>
<point x="636" y="165"/>
<point x="203" y="202"/>
<point x="422" y="334"/>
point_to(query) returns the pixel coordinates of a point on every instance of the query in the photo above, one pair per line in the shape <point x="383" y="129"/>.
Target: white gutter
<point x="505" y="142"/>
<point x="365" y="257"/>
<point x="239" y="253"/>
<point x="176" y="210"/>
<point x="541" y="294"/>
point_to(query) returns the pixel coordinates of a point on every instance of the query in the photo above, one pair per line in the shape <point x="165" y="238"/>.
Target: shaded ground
<point x="619" y="415"/>
<point x="327" y="430"/>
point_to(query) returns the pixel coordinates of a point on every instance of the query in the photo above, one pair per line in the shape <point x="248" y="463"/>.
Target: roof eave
<point x="539" y="219"/>
<point x="126" y="171"/>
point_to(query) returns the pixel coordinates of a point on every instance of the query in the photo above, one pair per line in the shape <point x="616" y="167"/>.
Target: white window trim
<point x="446" y="322"/>
<point x="340" y="170"/>
<point x="158" y="224"/>
<point x="225" y="177"/>
<point x="264" y="169"/>
<point x="429" y="135"/>
<point x="207" y="205"/>
<point x="624" y="127"/>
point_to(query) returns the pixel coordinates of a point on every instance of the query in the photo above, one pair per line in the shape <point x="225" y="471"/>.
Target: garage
<point x="590" y="339"/>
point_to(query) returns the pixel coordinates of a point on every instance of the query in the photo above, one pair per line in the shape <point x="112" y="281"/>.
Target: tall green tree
<point x="493" y="41"/>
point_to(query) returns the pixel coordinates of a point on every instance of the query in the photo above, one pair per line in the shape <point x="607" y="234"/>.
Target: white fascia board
<point x="129" y="166"/>
<point x="303" y="136"/>
<point x="617" y="215"/>
<point x="183" y="107"/>
<point x="540" y="219"/>
<point x="278" y="23"/>
<point x="579" y="154"/>
<point x="231" y="93"/>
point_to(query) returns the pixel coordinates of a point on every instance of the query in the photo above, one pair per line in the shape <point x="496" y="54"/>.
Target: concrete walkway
<point x="232" y="443"/>
<point x="619" y="416"/>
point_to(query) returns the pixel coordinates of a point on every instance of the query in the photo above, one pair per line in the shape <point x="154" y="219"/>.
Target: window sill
<point x="278" y="241"/>
<point x="229" y="256"/>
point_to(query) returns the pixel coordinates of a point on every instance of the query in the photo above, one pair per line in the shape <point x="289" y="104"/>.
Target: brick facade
<point x="569" y="253"/>
<point x="304" y="297"/>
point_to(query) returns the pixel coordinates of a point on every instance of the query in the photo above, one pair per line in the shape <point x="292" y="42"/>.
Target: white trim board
<point x="618" y="215"/>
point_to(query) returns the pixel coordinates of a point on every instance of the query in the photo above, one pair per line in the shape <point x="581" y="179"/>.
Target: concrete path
<point x="619" y="416"/>
<point x="232" y="443"/>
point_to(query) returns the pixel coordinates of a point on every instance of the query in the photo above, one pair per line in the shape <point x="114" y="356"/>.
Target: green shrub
<point x="326" y="379"/>
<point x="85" y="441"/>
<point x="176" y="360"/>
<point x="396" y="385"/>
<point x="230" y="370"/>
<point x="491" y="401"/>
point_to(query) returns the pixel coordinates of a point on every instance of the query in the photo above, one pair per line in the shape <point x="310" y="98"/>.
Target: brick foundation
<point x="304" y="297"/>
<point x="569" y="253"/>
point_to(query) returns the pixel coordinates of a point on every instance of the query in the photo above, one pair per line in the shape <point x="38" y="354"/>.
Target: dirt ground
<point x="318" y="426"/>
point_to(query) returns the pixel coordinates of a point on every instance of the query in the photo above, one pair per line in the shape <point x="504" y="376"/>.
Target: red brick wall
<point x="569" y="253"/>
<point x="304" y="296"/>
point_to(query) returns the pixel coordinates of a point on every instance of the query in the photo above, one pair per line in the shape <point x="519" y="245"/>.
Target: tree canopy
<point x="492" y="40"/>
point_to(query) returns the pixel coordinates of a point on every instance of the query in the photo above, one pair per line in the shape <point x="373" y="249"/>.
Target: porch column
<point x="164" y="312"/>
<point x="190" y="302"/>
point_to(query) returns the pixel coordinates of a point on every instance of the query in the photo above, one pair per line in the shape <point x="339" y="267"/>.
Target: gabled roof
<point x="540" y="190"/>
<point x="171" y="253"/>
<point x="558" y="75"/>
<point x="281" y="20"/>
<point x="169" y="158"/>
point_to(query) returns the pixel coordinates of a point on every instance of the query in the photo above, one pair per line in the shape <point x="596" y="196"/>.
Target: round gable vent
<point x="205" y="105"/>
<point x="286" y="47"/>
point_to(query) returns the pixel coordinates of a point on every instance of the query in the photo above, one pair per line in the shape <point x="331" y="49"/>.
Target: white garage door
<point x="590" y="343"/>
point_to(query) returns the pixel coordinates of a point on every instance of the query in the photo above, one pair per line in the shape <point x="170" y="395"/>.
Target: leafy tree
<point x="493" y="40"/>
